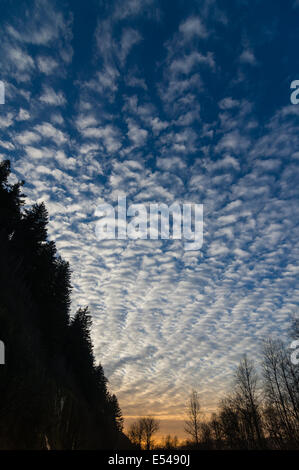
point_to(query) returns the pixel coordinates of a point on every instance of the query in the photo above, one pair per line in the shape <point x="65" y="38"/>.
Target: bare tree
<point x="150" y="426"/>
<point x="247" y="400"/>
<point x="192" y="424"/>
<point x="230" y="423"/>
<point x="136" y="433"/>
<point x="216" y="430"/>
<point x="170" y="442"/>
<point x="281" y="382"/>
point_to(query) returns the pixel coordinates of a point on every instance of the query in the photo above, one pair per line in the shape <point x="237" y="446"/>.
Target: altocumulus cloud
<point x="161" y="111"/>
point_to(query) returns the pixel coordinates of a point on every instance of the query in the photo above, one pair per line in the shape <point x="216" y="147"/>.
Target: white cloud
<point x="158" y="125"/>
<point x="137" y="82"/>
<point x="23" y="115"/>
<point x="40" y="24"/>
<point x="37" y="153"/>
<point x="68" y="163"/>
<point x="228" y="103"/>
<point x="47" y="65"/>
<point x="6" y="120"/>
<point x="48" y="131"/>
<point x="129" y="38"/>
<point x="52" y="97"/>
<point x="109" y="134"/>
<point x="136" y="134"/>
<point x="21" y="59"/>
<point x="27" y="138"/>
<point x="7" y="145"/>
<point x="248" y="57"/>
<point x="193" y="26"/>
<point x="186" y="64"/>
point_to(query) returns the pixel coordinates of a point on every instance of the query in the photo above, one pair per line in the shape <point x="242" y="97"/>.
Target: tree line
<point x="260" y="412"/>
<point x="53" y="395"/>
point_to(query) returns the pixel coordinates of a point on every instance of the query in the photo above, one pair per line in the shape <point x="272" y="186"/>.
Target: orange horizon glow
<point x="172" y="425"/>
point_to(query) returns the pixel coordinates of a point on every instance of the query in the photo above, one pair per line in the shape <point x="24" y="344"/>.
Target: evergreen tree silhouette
<point x="53" y="396"/>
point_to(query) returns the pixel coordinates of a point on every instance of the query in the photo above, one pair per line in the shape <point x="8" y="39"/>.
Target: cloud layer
<point x="160" y="110"/>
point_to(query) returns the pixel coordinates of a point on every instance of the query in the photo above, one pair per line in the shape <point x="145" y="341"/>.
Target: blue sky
<point x="163" y="101"/>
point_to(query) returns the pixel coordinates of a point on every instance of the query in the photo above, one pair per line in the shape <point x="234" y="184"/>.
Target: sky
<point x="163" y="101"/>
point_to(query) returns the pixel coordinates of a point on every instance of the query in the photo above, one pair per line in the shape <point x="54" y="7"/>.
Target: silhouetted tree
<point x="170" y="442"/>
<point x="281" y="383"/>
<point x="248" y="402"/>
<point x="192" y="424"/>
<point x="116" y="412"/>
<point x="150" y="426"/>
<point x="136" y="432"/>
<point x="142" y="431"/>
<point x="53" y="396"/>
